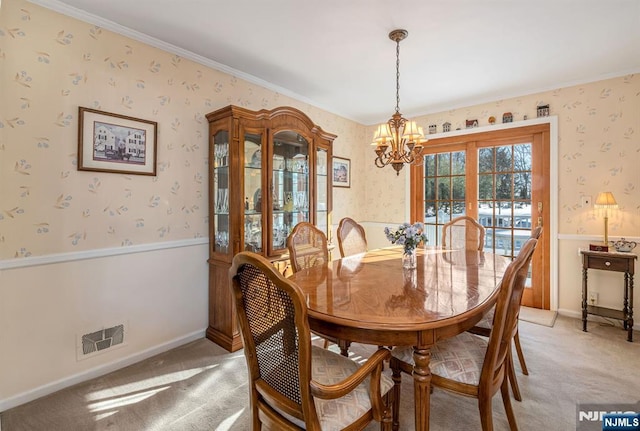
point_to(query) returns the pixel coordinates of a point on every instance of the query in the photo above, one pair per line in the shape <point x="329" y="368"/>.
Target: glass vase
<point x="409" y="259"/>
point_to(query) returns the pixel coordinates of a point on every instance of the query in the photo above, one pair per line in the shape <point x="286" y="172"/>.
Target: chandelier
<point x="398" y="141"/>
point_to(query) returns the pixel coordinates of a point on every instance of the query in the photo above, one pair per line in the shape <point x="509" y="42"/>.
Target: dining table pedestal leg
<point x="422" y="387"/>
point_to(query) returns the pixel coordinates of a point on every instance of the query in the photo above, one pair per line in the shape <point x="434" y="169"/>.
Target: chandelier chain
<point x="398" y="75"/>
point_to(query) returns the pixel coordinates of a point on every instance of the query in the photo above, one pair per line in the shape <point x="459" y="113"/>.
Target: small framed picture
<point x="341" y="172"/>
<point x="116" y="143"/>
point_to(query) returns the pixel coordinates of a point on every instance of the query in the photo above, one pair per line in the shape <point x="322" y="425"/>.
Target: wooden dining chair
<point x="307" y="247"/>
<point x="483" y="327"/>
<point x="471" y="365"/>
<point x="293" y="384"/>
<point x="463" y="233"/>
<point x="351" y="237"/>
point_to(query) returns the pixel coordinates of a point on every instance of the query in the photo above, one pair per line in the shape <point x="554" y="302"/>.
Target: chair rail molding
<point x="97" y="253"/>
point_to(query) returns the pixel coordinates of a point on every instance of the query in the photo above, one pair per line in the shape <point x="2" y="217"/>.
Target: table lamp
<point x="606" y="201"/>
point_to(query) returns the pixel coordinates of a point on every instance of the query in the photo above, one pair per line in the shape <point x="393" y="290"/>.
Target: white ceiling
<point x="336" y="54"/>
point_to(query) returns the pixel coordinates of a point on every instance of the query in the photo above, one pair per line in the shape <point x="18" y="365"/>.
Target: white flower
<point x="407" y="235"/>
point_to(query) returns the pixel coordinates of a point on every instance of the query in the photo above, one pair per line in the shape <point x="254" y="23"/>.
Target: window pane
<point x="488" y="240"/>
<point x="429" y="212"/>
<point x="485" y="187"/>
<point x="503" y="159"/>
<point x="459" y="208"/>
<point x="458" y="162"/>
<point x="503" y="186"/>
<point x="430" y="165"/>
<point x="429" y="189"/>
<point x="522" y="157"/>
<point x="443" y="164"/>
<point x="459" y="184"/>
<point x="444" y="189"/>
<point x="485" y="160"/>
<point x="521" y="186"/>
<point x="444" y="212"/>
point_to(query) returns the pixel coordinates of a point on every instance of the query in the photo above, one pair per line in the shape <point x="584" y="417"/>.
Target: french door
<point x="500" y="178"/>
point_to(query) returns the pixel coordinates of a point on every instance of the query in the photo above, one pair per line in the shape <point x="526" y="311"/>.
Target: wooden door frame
<point x="546" y="125"/>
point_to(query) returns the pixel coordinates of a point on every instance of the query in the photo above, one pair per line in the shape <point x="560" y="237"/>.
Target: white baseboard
<point x="570" y="313"/>
<point x="52" y="387"/>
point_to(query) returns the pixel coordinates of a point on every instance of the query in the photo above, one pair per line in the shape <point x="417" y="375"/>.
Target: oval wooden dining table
<point x="369" y="298"/>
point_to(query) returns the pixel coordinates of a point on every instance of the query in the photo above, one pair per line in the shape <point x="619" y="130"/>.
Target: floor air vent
<point x="102" y="339"/>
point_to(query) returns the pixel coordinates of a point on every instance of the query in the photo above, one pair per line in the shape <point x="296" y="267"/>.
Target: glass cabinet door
<point x="221" y="222"/>
<point x="254" y="200"/>
<point x="290" y="185"/>
<point x="322" y="190"/>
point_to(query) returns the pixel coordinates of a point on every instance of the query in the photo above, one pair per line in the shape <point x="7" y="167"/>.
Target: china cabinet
<point x="268" y="171"/>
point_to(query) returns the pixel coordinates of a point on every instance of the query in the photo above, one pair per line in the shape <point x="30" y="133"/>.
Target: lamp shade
<point x="411" y="131"/>
<point x="383" y="133"/>
<point x="606" y="200"/>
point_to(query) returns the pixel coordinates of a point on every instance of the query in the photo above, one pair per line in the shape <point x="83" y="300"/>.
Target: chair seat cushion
<point x="328" y="368"/>
<point x="459" y="358"/>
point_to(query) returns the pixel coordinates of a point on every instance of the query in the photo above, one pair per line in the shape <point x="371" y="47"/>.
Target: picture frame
<point x="116" y="143"/>
<point x="341" y="172"/>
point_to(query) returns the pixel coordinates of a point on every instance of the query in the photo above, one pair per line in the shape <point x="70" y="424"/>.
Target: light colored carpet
<point x="200" y="386"/>
<point x="538" y="316"/>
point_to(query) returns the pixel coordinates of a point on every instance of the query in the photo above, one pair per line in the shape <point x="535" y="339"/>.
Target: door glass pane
<point x="503" y="186"/>
<point x="522" y="158"/>
<point x="322" y="215"/>
<point x="290" y="185"/>
<point x="459" y="185"/>
<point x="253" y="195"/>
<point x="445" y="193"/>
<point x="485" y="160"/>
<point x="430" y="189"/>
<point x="485" y="187"/>
<point x="458" y="163"/>
<point x="444" y="167"/>
<point x="504" y="203"/>
<point x="504" y="161"/>
<point x="443" y="188"/>
<point x="220" y="193"/>
<point x="430" y="165"/>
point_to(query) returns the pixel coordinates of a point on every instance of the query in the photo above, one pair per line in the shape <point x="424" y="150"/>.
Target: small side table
<point x="610" y="261"/>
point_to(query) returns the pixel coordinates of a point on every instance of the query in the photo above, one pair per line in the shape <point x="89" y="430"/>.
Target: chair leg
<point x="385" y="424"/>
<point x="344" y="347"/>
<point x="486" y="413"/>
<point x="506" y="400"/>
<point x="396" y="375"/>
<point x="511" y="376"/>
<point x="523" y="364"/>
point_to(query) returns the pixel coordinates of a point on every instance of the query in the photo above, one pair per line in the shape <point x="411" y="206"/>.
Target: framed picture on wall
<point x="341" y="172"/>
<point x="116" y="143"/>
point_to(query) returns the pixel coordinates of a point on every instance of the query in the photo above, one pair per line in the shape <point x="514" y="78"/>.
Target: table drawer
<point x="621" y="265"/>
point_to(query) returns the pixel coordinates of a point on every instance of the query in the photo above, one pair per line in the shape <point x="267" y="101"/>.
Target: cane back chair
<point x="293" y="384"/>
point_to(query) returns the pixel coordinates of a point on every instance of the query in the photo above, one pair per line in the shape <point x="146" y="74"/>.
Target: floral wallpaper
<point x="52" y="64"/>
<point x="598" y="150"/>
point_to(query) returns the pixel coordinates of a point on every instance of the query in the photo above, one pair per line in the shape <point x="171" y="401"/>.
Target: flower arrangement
<point x="407" y="235"/>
